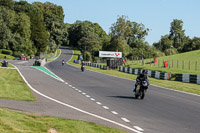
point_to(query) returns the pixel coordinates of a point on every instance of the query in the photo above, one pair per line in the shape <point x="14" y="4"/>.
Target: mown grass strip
<point x="11" y="121"/>
<point x="186" y="87"/>
<point x="13" y="87"/>
<point x="8" y="57"/>
<point x="54" y="57"/>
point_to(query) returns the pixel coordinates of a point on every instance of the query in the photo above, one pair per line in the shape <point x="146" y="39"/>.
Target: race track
<point x="162" y="110"/>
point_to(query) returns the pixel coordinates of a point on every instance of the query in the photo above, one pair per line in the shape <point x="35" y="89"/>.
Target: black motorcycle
<point x="141" y="87"/>
<point x="82" y="68"/>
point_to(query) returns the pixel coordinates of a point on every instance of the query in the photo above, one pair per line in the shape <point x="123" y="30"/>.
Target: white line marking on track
<point x="73" y="87"/>
<point x="70" y="85"/>
<point x="114" y="112"/>
<point x="99" y="103"/>
<point x="126" y="120"/>
<point x="66" y="83"/>
<point x="79" y="91"/>
<point x="139" y="128"/>
<point x="76" y="89"/>
<point x="84" y="93"/>
<point x="92" y="99"/>
<point x="87" y="96"/>
<point x="105" y="107"/>
<point x="75" y="108"/>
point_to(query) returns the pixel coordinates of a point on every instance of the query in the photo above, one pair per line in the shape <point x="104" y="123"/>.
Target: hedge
<point x="7" y="52"/>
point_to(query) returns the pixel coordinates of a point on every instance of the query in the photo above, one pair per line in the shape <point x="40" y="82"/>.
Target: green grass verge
<point x="186" y="87"/>
<point x="13" y="87"/>
<point x="8" y="57"/>
<point x="11" y="121"/>
<point x="54" y="57"/>
<point x="187" y="62"/>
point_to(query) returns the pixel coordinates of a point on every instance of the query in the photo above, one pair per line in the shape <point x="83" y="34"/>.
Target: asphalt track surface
<point x="162" y="110"/>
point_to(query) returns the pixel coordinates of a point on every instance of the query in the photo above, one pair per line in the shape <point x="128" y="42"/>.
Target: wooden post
<point x="189" y="65"/>
<point x="177" y="64"/>
<point x="196" y="66"/>
<point x="150" y="62"/>
<point x="163" y="63"/>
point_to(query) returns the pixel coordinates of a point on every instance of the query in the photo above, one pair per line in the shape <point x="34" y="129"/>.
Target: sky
<point x="154" y="14"/>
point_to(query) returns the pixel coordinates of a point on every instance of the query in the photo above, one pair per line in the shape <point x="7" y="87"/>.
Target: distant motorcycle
<point x="141" y="87"/>
<point x="82" y="68"/>
<point x="63" y="62"/>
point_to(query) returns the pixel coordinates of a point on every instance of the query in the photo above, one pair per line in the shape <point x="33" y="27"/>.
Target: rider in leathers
<point x="142" y="76"/>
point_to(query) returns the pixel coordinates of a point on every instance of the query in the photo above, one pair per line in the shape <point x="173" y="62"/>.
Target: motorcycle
<point x="82" y="68"/>
<point x="141" y="87"/>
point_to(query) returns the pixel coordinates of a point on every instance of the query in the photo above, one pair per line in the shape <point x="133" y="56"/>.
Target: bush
<point x="171" y="51"/>
<point x="1" y="51"/>
<point x="7" y="52"/>
<point x="17" y="54"/>
<point x="88" y="56"/>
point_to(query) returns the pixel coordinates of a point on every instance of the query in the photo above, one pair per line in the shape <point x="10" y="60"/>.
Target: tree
<point x="164" y="43"/>
<point x="177" y="34"/>
<point x="39" y="33"/>
<point x="9" y="4"/>
<point x="127" y="35"/>
<point x="54" y="23"/>
<point x="80" y="29"/>
<point x="90" y="43"/>
<point x="192" y="44"/>
<point x="121" y="29"/>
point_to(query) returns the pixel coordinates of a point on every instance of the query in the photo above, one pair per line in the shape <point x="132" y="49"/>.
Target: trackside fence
<point x="187" y="78"/>
<point x="153" y="74"/>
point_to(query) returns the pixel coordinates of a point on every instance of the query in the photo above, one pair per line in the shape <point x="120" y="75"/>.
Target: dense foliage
<point x="129" y="38"/>
<point x="31" y="28"/>
<point x="88" y="36"/>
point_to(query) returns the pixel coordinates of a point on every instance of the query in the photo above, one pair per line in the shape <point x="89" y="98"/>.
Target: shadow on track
<point x="123" y="97"/>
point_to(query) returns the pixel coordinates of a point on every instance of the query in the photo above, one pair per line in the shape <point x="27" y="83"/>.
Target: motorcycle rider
<point x="142" y="76"/>
<point x="63" y="62"/>
<point x="82" y="65"/>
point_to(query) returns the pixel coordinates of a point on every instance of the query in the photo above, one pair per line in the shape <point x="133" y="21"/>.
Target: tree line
<point x="39" y="28"/>
<point x="125" y="36"/>
<point x="31" y="28"/>
<point x="176" y="41"/>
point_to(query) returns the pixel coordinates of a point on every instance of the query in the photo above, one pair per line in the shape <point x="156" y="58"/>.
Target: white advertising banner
<point x="110" y="54"/>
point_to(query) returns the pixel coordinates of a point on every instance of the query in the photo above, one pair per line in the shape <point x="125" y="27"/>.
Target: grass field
<point x="8" y="57"/>
<point x="13" y="87"/>
<point x="17" y="122"/>
<point x="188" y="62"/>
<point x="187" y="87"/>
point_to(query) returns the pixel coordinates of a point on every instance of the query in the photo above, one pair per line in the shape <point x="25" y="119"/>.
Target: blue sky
<point x="154" y="14"/>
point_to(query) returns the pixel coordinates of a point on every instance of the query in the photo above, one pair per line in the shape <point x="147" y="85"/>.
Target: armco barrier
<point x="96" y="65"/>
<point x="188" y="78"/>
<point x="153" y="74"/>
